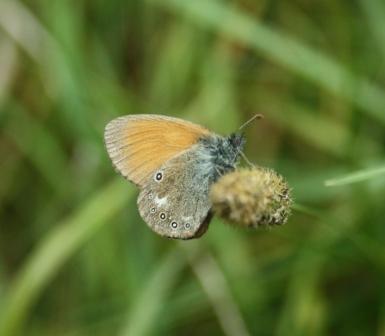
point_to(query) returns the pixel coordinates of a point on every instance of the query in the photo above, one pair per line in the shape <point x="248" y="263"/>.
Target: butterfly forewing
<point x="139" y="144"/>
<point x="171" y="203"/>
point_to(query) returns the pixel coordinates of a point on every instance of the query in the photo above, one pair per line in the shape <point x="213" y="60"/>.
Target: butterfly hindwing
<point x="174" y="201"/>
<point x="139" y="144"/>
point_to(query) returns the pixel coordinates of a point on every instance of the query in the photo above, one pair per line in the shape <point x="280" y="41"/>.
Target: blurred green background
<point x="75" y="257"/>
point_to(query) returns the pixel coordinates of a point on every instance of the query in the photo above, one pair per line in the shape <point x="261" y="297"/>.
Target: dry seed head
<point x="252" y="198"/>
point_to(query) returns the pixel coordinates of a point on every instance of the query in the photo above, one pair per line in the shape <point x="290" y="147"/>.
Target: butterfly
<point x="173" y="162"/>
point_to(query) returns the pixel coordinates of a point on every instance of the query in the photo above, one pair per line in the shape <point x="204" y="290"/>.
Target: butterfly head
<point x="232" y="148"/>
<point x="236" y="141"/>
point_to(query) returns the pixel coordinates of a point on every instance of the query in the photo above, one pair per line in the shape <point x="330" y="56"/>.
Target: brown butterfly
<point x="173" y="162"/>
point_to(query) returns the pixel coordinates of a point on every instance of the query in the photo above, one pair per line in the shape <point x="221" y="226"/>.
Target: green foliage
<point x="75" y="257"/>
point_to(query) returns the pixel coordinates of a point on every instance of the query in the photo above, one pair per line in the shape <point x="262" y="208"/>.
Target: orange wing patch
<point x="139" y="144"/>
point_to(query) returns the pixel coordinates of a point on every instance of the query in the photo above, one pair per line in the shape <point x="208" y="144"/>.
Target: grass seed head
<point x="252" y="197"/>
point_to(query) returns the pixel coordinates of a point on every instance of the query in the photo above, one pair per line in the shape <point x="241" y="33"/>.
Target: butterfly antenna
<point x="257" y="116"/>
<point x="252" y="165"/>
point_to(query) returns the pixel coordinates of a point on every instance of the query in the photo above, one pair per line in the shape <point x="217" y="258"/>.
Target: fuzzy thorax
<point x="221" y="153"/>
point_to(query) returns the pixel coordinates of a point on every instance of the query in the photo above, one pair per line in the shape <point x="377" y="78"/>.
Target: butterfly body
<point x="174" y="171"/>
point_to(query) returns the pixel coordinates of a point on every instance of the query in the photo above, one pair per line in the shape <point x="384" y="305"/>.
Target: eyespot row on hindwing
<point x="173" y="224"/>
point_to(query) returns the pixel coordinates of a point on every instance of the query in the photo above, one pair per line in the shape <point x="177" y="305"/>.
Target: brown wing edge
<point x="203" y="228"/>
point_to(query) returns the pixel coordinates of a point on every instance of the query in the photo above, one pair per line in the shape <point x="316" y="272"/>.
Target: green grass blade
<point x="375" y="13"/>
<point x="285" y="50"/>
<point x="40" y="146"/>
<point x="217" y="290"/>
<point x="55" y="249"/>
<point x="8" y="63"/>
<point x="355" y="177"/>
<point x="143" y="316"/>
